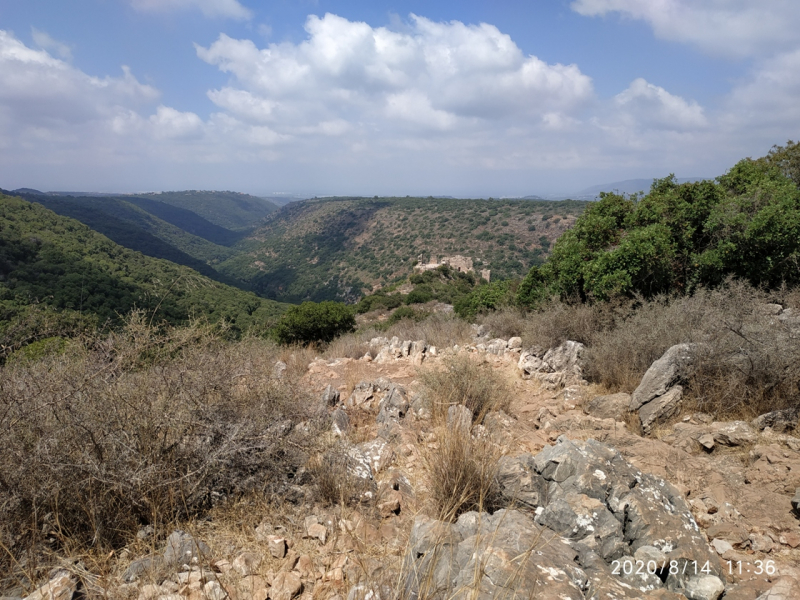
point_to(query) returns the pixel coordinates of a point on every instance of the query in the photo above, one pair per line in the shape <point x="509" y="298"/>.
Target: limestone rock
<point x="286" y="586"/>
<point x="330" y="397"/>
<point x="780" y="421"/>
<point x="673" y="368"/>
<point x="182" y="548"/>
<point x="394" y="406"/>
<point x="566" y="357"/>
<point x="704" y="587"/>
<point x="660" y="408"/>
<point x="277" y="546"/>
<point x="61" y="586"/>
<point x="340" y="422"/>
<point x="246" y="563"/>
<point x="612" y="406"/>
<point x="459" y="417"/>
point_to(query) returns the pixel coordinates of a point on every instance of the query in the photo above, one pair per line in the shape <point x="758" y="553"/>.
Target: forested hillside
<point x="54" y="261"/>
<point x="336" y="248"/>
<point x="231" y="210"/>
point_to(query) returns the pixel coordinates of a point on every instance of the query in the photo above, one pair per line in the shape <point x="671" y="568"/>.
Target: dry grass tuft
<point x="461" y="474"/>
<point x="468" y="382"/>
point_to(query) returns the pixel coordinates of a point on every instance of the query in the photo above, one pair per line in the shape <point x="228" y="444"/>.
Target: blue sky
<point x="390" y="97"/>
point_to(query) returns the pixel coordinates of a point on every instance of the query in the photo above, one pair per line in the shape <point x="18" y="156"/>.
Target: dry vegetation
<point x="465" y="381"/>
<point x="142" y="427"/>
<point x="750" y="359"/>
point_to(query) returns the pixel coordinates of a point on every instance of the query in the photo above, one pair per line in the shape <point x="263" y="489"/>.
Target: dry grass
<point x="465" y="381"/>
<point x="461" y="474"/>
<point x="141" y="427"/>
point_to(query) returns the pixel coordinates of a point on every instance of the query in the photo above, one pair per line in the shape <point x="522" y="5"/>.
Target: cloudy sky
<point x="466" y="98"/>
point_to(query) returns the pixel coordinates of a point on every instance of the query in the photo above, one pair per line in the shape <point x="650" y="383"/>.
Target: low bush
<point x="314" y="322"/>
<point x="141" y="427"/>
<point x="465" y="381"/>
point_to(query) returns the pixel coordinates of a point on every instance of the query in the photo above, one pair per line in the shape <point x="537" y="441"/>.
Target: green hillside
<point x="336" y="248"/>
<point x="230" y="210"/>
<point x="136" y="229"/>
<point x="56" y="261"/>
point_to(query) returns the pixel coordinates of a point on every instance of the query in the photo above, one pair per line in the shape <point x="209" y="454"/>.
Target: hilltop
<point x="339" y="248"/>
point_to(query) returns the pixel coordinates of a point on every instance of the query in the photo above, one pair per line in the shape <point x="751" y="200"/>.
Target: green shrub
<point x="484" y="298"/>
<point x="314" y="322"/>
<point x="419" y="296"/>
<point x="680" y="237"/>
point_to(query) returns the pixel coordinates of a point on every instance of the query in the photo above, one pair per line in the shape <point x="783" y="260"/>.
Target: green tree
<point x="314" y="322"/>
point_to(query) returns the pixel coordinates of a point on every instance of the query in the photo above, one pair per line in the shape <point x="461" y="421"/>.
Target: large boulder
<point x="660" y="408"/>
<point x="393" y="407"/>
<point x="675" y="366"/>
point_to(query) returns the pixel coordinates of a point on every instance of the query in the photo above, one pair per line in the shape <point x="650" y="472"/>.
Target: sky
<point x="390" y="97"/>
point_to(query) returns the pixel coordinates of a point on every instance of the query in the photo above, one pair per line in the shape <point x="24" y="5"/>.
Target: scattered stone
<point x="660" y="409"/>
<point x="735" y="433"/>
<point x="263" y="531"/>
<point x="515" y="343"/>
<point x="318" y="531"/>
<point x="706" y="441"/>
<point x="704" y="587"/>
<point x="142" y="566"/>
<point x="361" y="396"/>
<point x="213" y="591"/>
<point x="279" y="369"/>
<point x="253" y="587"/>
<point x="286" y="586"/>
<point x="673" y="368"/>
<point x="246" y="563"/>
<point x="567" y="357"/>
<point x="721" y="546"/>
<point x="378" y="453"/>
<point x="393" y="407"/>
<point x="277" y="546"/>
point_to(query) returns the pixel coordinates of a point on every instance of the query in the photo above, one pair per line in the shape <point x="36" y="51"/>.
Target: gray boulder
<point x="567" y="357"/>
<point x="394" y="406"/>
<point x="674" y="367"/>
<point x="340" y="422"/>
<point x="660" y="408"/>
<point x="780" y="421"/>
<point x="582" y="507"/>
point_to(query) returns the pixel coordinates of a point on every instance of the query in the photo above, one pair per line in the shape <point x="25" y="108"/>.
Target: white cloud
<point x="654" y="107"/>
<point x="210" y="8"/>
<point x="434" y="75"/>
<point x="46" y="42"/>
<point x="737" y="28"/>
<point x="171" y="123"/>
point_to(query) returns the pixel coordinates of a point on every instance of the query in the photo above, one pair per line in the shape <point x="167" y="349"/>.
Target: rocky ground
<point x="592" y="509"/>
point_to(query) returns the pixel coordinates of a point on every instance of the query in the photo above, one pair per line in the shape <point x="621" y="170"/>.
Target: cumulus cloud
<point x="737" y="28"/>
<point x="654" y="107"/>
<point x="210" y="8"/>
<point x="39" y="89"/>
<point x="435" y="75"/>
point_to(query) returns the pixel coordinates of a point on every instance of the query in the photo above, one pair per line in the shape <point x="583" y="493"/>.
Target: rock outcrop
<point x="582" y="523"/>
